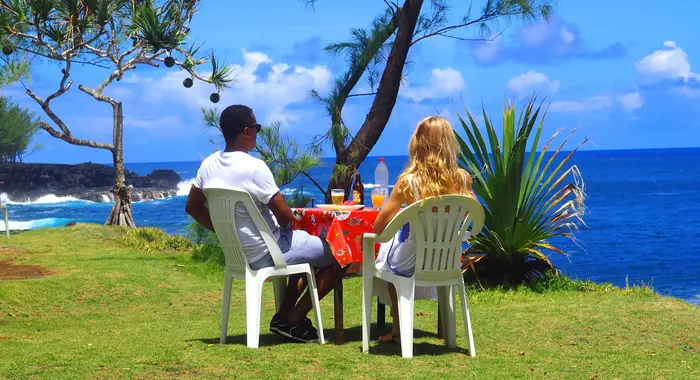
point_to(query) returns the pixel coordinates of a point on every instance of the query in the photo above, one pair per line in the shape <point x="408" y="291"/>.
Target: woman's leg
<point x="395" y="334"/>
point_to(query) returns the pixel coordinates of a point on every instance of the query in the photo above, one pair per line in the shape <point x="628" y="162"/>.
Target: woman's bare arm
<point x="392" y="207"/>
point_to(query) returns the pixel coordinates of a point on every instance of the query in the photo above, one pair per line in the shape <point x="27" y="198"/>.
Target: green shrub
<point x="206" y="247"/>
<point x="298" y="199"/>
<point x="530" y="193"/>
<point x="150" y="239"/>
<point x="207" y="252"/>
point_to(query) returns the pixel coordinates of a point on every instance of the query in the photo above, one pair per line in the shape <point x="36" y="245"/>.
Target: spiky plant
<point x="529" y="197"/>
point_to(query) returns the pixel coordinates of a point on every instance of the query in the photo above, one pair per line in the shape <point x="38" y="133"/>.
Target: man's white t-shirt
<point x="243" y="172"/>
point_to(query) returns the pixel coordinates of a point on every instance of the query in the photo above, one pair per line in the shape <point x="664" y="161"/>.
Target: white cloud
<point x="133" y="79"/>
<point x="443" y="84"/>
<point x="531" y="82"/>
<point x="669" y="62"/>
<point x="566" y="35"/>
<point x="628" y="102"/>
<point x="269" y="94"/>
<point x="631" y="101"/>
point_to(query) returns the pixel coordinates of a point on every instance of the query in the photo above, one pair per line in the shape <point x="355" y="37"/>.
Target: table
<point x="343" y="231"/>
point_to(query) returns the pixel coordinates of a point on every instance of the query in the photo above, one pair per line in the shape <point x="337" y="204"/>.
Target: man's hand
<point x="196" y="208"/>
<point x="281" y="210"/>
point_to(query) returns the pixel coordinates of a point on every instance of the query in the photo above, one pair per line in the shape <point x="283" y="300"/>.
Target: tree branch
<point x="364" y="94"/>
<point x="483" y="18"/>
<point x="307" y="175"/>
<point x="65" y="133"/>
<point x="72" y="140"/>
<point x="82" y="62"/>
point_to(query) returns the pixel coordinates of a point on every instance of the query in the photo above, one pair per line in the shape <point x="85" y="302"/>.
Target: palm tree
<point x="529" y="198"/>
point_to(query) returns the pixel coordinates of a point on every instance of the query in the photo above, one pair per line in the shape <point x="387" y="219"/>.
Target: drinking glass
<point x="337" y="196"/>
<point x="378" y="197"/>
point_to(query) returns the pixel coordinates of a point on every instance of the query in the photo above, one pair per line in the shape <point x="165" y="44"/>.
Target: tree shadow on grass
<point x="353" y="337"/>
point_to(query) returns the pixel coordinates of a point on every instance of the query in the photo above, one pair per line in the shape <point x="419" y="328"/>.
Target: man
<point x="233" y="168"/>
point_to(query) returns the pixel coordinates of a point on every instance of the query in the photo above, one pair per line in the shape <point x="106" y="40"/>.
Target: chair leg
<point x="253" y="304"/>
<point x="367" y="291"/>
<point x="467" y="320"/>
<point x="279" y="285"/>
<point x="446" y="298"/>
<point x="228" y="282"/>
<point x="317" y="306"/>
<point x="405" y="291"/>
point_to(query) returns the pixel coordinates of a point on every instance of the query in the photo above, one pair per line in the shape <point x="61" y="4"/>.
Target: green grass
<point x="112" y="312"/>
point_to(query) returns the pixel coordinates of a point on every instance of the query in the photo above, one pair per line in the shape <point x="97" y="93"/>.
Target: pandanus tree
<point x="115" y="35"/>
<point x="532" y="194"/>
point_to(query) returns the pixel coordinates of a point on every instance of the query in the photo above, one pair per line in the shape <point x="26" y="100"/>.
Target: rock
<point x="71" y="224"/>
<point x="88" y="181"/>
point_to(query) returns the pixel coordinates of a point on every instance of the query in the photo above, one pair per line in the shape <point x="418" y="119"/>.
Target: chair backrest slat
<point x="439" y="225"/>
<point x="222" y="205"/>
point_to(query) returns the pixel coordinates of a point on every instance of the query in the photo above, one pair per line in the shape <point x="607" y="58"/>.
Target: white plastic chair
<point x="7" y="223"/>
<point x="222" y="205"/>
<point x="439" y="226"/>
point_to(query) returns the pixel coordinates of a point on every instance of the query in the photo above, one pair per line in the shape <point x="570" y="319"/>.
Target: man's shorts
<point x="298" y="247"/>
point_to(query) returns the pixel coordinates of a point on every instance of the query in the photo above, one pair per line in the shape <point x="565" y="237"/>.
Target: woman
<point x="432" y="171"/>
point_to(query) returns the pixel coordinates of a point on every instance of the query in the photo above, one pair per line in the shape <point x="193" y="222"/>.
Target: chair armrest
<point x="368" y="241"/>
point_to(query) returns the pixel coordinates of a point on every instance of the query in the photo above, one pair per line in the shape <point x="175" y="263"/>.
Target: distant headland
<point x="22" y="182"/>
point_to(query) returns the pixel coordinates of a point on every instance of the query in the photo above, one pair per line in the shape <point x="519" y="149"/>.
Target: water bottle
<point x="381" y="176"/>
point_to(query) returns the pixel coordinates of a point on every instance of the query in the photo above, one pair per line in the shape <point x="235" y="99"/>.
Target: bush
<point x="149" y="239"/>
<point x="298" y="199"/>
<point x="531" y="194"/>
<point x="206" y="247"/>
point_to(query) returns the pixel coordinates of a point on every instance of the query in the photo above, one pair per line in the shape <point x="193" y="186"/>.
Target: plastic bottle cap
<point x="381" y="159"/>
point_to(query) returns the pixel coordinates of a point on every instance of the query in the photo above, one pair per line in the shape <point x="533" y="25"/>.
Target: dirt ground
<point x="10" y="271"/>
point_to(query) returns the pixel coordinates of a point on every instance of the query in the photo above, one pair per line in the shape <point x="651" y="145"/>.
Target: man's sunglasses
<point x="257" y="127"/>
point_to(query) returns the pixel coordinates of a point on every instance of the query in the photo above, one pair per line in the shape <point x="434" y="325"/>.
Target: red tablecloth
<point x="342" y="230"/>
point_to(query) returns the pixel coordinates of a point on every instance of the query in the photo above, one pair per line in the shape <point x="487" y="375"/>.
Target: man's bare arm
<point x="281" y="210"/>
<point x="196" y="208"/>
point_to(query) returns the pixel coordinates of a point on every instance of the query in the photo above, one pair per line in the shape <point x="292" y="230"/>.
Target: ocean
<point x="643" y="218"/>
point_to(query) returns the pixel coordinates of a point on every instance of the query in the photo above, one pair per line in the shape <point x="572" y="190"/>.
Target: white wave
<point x="371" y="185"/>
<point x="183" y="188"/>
<point x="46" y="199"/>
<point x="290" y="191"/>
<point x="34" y="224"/>
<point x="105" y="198"/>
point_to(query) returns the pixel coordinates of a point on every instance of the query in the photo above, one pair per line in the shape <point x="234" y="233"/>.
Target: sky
<point x="626" y="74"/>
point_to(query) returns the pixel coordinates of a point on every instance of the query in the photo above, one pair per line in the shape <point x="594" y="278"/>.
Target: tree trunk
<point x="341" y="179"/>
<point x="121" y="211"/>
<point x="383" y="103"/>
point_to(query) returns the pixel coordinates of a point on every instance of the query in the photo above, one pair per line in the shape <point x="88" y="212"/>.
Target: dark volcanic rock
<point x="86" y="181"/>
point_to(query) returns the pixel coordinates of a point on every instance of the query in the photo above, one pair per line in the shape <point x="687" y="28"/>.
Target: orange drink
<point x="378" y="197"/>
<point x="378" y="200"/>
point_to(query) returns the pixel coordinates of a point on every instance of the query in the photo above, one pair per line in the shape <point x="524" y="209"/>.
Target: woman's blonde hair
<point x="432" y="161"/>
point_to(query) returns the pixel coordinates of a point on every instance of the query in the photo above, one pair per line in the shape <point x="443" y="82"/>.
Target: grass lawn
<point x="106" y="311"/>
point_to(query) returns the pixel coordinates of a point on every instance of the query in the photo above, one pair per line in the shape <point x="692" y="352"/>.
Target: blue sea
<point x="643" y="218"/>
